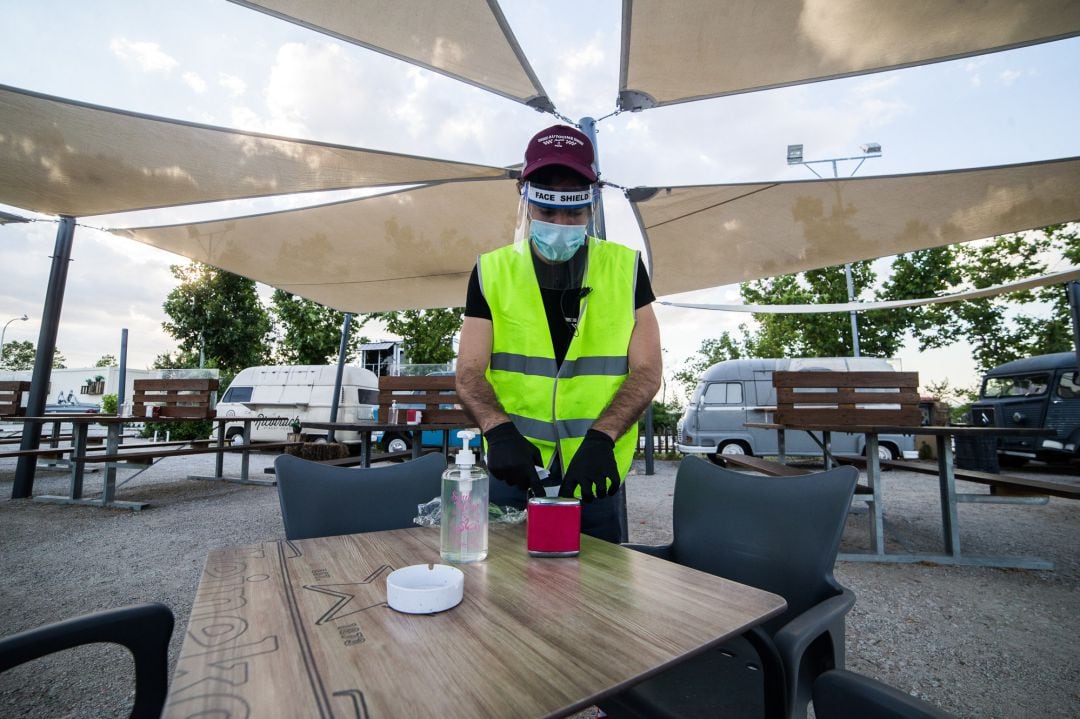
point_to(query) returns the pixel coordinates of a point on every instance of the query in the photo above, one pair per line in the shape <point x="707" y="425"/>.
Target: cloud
<point x="147" y="56"/>
<point x="1007" y="77"/>
<point x="232" y="83"/>
<point x="196" y="83"/>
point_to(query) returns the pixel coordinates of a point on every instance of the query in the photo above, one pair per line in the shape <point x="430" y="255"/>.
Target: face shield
<point x="552" y="224"/>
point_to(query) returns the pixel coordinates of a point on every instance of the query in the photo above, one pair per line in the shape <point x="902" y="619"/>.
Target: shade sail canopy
<point x="469" y="40"/>
<point x="1054" y="278"/>
<point x="714" y="235"/>
<point x="6" y="217"/>
<point x="404" y="250"/>
<point x="693" y="49"/>
<point x="62" y="157"/>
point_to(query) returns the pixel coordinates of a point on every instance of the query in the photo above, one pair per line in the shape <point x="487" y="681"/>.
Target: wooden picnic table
<point x="946" y="483"/>
<point x="114" y="457"/>
<point x="367" y="429"/>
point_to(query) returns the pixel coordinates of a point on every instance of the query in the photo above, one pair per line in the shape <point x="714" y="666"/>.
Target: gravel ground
<point x="977" y="642"/>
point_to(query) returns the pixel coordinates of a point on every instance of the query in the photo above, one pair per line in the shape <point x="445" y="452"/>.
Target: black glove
<point x="512" y="458"/>
<point x="592" y="468"/>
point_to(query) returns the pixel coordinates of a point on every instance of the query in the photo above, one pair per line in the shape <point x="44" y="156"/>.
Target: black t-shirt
<point x="561" y="307"/>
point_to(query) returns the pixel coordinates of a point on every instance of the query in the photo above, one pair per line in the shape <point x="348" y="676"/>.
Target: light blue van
<point x="735" y="392"/>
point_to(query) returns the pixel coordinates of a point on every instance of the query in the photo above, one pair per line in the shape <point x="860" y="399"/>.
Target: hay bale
<point x="319" y="451"/>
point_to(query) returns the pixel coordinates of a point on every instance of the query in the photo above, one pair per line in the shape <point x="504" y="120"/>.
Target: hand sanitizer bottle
<point x="464" y="525"/>
<point x="393" y="418"/>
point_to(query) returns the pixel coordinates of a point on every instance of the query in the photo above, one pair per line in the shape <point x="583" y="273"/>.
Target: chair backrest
<point x="847" y="398"/>
<point x="319" y="500"/>
<point x="188" y="398"/>
<point x="780" y="534"/>
<point x="434" y="395"/>
<point x="839" y="694"/>
<point x="143" y="629"/>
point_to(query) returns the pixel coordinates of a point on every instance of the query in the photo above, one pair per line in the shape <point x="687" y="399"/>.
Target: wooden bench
<point x="434" y="395"/>
<point x="180" y="398"/>
<point x="56" y="452"/>
<point x="437" y="395"/>
<point x="765" y="466"/>
<point x="838" y="399"/>
<point x="11" y="392"/>
<point x="1001" y="485"/>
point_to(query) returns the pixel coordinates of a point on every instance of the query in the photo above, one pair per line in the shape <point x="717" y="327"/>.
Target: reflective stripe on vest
<point x="554" y="407"/>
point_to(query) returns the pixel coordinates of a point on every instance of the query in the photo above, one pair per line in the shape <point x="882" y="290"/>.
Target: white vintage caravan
<point x="303" y="392"/>
<point x="732" y="393"/>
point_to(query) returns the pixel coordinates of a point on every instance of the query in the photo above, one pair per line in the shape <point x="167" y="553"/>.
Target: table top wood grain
<point x="301" y="628"/>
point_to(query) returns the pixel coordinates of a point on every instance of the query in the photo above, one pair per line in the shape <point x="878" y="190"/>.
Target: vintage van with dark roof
<point x="1035" y="392"/>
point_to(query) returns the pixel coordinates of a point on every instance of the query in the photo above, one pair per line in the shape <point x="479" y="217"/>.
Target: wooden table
<point x="219" y="461"/>
<point x="301" y="629"/>
<point x="80" y="424"/>
<point x="946" y="484"/>
<point x="366" y="429"/>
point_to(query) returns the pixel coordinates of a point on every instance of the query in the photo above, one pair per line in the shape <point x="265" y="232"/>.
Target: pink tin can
<point x="553" y="527"/>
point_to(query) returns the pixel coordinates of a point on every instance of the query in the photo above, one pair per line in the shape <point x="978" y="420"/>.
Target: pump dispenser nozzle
<point x="465" y="457"/>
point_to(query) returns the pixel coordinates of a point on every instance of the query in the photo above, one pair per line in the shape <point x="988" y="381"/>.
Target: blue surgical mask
<point x="557" y="243"/>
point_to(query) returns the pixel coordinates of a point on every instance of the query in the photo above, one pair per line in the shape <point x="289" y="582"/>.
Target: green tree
<point x="427" y="335"/>
<point x="711" y="351"/>
<point x="19" y="355"/>
<point x="310" y="333"/>
<point x="825" y="334"/>
<point x="106" y="361"/>
<point x="219" y="312"/>
<point x="1008" y="326"/>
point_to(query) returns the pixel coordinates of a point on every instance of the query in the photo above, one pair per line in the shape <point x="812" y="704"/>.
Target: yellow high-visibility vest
<point x="554" y="407"/>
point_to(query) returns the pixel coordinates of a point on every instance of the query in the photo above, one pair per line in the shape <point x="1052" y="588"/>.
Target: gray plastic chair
<point x="143" y="629"/>
<point x="840" y="694"/>
<point x="319" y="500"/>
<point x="780" y="534"/>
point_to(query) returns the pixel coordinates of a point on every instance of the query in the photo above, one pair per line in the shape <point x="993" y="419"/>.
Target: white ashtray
<point x="424" y="588"/>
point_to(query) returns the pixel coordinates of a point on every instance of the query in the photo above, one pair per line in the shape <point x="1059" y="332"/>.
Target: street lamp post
<point x="4" y="331"/>
<point x="870" y="150"/>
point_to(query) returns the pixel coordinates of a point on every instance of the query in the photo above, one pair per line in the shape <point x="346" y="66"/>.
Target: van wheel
<point x="885" y="452"/>
<point x="731" y="447"/>
<point x="395" y="443"/>
<point x="235" y="436"/>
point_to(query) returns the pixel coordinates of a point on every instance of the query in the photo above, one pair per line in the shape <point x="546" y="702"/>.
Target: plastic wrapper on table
<point x="429" y="514"/>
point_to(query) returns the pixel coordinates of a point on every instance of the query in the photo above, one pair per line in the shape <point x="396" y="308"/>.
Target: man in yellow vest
<point x="560" y="349"/>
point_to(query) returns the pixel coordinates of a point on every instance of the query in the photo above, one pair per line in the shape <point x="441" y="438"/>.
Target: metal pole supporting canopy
<point x="43" y="360"/>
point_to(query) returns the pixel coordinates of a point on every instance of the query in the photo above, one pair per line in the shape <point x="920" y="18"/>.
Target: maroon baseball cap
<point x="560" y="145"/>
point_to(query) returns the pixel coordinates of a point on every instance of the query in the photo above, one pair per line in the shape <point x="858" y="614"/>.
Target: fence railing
<point x="664" y="440"/>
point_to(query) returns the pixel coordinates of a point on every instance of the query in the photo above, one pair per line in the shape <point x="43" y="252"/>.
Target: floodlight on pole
<point x="870" y="150"/>
<point x="3" y="332"/>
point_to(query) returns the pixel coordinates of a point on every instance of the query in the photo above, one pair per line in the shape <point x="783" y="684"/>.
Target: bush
<point x="193" y="429"/>
<point x="108" y="404"/>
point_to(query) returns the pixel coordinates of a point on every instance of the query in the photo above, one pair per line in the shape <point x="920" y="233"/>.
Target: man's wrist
<point x="600" y="435"/>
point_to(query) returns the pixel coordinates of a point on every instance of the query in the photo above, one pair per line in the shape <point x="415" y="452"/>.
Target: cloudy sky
<point x="215" y="62"/>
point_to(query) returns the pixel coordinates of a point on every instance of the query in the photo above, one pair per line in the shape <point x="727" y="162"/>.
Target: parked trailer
<point x="297" y="392"/>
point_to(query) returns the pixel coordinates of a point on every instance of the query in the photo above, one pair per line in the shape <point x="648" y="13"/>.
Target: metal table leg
<point x="219" y="461"/>
<point x="949" y="523"/>
<point x="79" y="431"/>
<point x="112" y="443"/>
<point x="873" y="478"/>
<point x="245" y="455"/>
